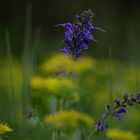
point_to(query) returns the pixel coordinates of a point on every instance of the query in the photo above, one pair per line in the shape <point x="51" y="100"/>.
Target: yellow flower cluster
<point x="5" y="128"/>
<point x="54" y="85"/>
<point x="68" y="119"/>
<point x="117" y="134"/>
<point x="61" y="62"/>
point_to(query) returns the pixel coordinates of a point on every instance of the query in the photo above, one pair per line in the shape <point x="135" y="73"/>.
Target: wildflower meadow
<point x="66" y="91"/>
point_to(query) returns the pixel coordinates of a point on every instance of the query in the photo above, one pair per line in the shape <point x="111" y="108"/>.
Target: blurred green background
<point x="120" y="19"/>
<point x="28" y="38"/>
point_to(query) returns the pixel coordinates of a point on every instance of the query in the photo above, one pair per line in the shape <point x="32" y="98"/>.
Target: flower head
<point x="79" y="33"/>
<point x="68" y="119"/>
<point x="59" y="64"/>
<point x="5" y="128"/>
<point x="56" y="86"/>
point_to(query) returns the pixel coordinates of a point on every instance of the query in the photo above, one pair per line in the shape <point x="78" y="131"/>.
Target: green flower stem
<point x="92" y="134"/>
<point x="110" y="78"/>
<point x="54" y="135"/>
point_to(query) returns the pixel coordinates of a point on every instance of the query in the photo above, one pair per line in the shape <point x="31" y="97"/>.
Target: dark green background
<point x="120" y="19"/>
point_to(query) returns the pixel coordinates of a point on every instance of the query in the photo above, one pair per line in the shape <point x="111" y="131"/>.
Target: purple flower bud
<point x="101" y="126"/>
<point x="126" y="97"/>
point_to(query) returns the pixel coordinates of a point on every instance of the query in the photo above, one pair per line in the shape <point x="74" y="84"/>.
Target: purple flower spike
<point x="79" y="33"/>
<point x="118" y="108"/>
<point x="118" y="112"/>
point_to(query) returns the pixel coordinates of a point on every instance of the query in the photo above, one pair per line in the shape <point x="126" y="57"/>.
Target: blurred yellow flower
<point x="10" y="76"/>
<point x="120" y="135"/>
<point x="54" y="85"/>
<point x="5" y="128"/>
<point x="61" y="62"/>
<point x="68" y="119"/>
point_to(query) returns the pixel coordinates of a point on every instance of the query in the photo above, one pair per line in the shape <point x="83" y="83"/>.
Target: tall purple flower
<point x="79" y="33"/>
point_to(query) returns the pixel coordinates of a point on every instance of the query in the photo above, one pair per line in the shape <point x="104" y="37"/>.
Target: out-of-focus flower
<point x="68" y="120"/>
<point x="79" y="33"/>
<point x="11" y="76"/>
<point x="56" y="86"/>
<point x="5" y="128"/>
<point x="120" y="135"/>
<point x="59" y="64"/>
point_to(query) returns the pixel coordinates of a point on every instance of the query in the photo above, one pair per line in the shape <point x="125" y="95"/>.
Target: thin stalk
<point x="26" y="58"/>
<point x="10" y="66"/>
<point x="110" y="77"/>
<point x="93" y="133"/>
<point x="60" y="106"/>
<point x="35" y="48"/>
<point x="55" y="135"/>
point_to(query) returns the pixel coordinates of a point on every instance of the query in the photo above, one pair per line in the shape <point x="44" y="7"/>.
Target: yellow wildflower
<point x="61" y="62"/>
<point x="55" y="85"/>
<point x="13" y="73"/>
<point x="5" y="128"/>
<point x="68" y="119"/>
<point x="120" y="135"/>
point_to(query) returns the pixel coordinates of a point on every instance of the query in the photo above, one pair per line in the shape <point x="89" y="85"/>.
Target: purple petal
<point x="68" y="35"/>
<point x="77" y="52"/>
<point x="121" y="110"/>
<point x="92" y="28"/>
<point x="83" y="44"/>
<point x="120" y="117"/>
<point x="68" y="26"/>
<point x="88" y="35"/>
<point x="66" y="50"/>
<point x="118" y="112"/>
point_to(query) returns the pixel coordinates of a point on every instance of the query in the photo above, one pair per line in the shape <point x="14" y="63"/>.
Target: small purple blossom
<point x="118" y="112"/>
<point x="100" y="126"/>
<point x="79" y="33"/>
